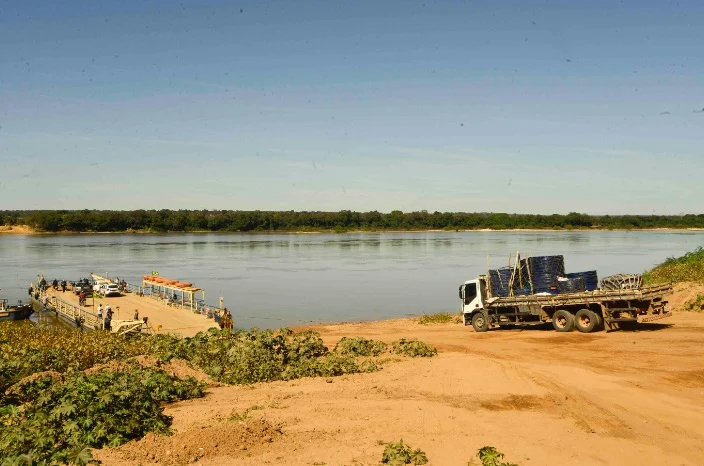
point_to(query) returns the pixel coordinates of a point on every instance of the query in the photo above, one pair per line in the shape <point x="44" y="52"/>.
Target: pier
<point x="162" y="317"/>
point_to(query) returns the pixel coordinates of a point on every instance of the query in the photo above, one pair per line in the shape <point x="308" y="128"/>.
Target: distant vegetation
<point x="345" y="220"/>
<point x="440" y="318"/>
<point x="688" y="268"/>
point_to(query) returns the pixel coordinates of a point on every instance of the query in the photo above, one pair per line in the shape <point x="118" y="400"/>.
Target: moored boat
<point x="17" y="312"/>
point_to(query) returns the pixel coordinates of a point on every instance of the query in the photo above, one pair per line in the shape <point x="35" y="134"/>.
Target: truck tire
<point x="563" y="321"/>
<point x="479" y="322"/>
<point x="586" y="321"/>
<point x="599" y="322"/>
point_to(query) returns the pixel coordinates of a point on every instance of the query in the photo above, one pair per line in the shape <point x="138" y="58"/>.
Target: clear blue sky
<point x="531" y="106"/>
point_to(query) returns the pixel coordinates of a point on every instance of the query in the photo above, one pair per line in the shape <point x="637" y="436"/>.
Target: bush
<point x="25" y="350"/>
<point x="400" y="453"/>
<point x="688" y="268"/>
<point x="490" y="456"/>
<point x="413" y="348"/>
<point x="59" y="420"/>
<point x="695" y="304"/>
<point x="360" y="346"/>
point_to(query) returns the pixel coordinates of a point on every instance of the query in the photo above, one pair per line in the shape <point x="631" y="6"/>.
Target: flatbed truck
<point x="587" y="311"/>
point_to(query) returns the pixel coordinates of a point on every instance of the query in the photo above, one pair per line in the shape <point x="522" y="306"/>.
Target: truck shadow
<point x="646" y="327"/>
<point x="641" y="327"/>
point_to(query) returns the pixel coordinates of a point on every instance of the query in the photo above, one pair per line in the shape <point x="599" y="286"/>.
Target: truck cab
<point x="473" y="294"/>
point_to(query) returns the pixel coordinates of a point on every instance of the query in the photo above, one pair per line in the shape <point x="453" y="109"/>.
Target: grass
<point x="688" y="268"/>
<point x="440" y="318"/>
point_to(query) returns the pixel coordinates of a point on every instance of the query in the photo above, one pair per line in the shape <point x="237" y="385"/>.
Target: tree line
<point x="344" y="220"/>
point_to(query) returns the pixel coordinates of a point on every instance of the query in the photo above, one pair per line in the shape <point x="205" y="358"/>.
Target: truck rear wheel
<point x="479" y="322"/>
<point x="562" y="321"/>
<point x="586" y="321"/>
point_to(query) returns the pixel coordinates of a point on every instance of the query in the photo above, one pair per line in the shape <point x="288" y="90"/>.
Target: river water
<point x="272" y="280"/>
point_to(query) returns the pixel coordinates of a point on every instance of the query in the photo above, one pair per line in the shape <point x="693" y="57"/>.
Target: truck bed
<point x="644" y="293"/>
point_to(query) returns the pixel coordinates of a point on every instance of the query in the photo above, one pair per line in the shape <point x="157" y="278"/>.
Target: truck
<point x="587" y="311"/>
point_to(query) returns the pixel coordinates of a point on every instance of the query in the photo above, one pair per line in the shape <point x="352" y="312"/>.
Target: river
<point x="274" y="280"/>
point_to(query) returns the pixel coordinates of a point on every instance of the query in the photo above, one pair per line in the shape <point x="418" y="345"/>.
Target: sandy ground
<point x="542" y="398"/>
<point x="163" y="318"/>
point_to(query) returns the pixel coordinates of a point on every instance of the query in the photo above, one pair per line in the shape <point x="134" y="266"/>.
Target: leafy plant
<point x="490" y="456"/>
<point x="399" y="454"/>
<point x="80" y="412"/>
<point x="413" y="348"/>
<point x="360" y="346"/>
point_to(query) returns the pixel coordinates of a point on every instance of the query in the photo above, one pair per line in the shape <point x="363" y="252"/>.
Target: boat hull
<point x="16" y="313"/>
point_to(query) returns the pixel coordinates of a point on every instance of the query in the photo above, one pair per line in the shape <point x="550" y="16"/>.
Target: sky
<point x="468" y="106"/>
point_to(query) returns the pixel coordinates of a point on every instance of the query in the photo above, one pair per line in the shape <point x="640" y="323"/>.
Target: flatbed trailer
<point x="587" y="311"/>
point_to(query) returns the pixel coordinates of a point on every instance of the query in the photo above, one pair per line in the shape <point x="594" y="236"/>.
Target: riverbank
<point x="26" y="230"/>
<point x="640" y="402"/>
<point x="312" y="397"/>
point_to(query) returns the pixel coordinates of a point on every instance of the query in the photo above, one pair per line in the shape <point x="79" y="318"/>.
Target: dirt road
<point x="542" y="398"/>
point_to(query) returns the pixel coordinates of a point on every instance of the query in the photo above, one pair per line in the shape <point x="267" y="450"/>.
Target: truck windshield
<point x="470" y="292"/>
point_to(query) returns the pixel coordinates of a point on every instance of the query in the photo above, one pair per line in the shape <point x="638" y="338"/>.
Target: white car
<point x="109" y="289"/>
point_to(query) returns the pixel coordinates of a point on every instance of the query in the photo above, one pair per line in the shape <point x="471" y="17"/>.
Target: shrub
<point x="490" y="456"/>
<point x="695" y="304"/>
<point x="688" y="268"/>
<point x="360" y="346"/>
<point x="70" y="416"/>
<point x="413" y="348"/>
<point x="400" y="453"/>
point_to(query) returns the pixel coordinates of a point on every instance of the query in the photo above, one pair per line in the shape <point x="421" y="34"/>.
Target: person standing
<point x="136" y="314"/>
<point x="108" y="318"/>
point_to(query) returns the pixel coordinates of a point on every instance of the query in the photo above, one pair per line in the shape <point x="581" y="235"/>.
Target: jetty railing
<point x="74" y="313"/>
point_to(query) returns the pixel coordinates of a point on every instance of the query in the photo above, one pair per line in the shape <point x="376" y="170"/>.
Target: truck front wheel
<point x="586" y="321"/>
<point x="563" y="321"/>
<point x="479" y="322"/>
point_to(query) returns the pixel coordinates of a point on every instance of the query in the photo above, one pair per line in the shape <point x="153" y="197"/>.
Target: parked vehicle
<point x="109" y="289"/>
<point x="82" y="286"/>
<point x="586" y="311"/>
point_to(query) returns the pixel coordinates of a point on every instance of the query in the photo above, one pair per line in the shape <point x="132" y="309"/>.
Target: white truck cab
<point x="473" y="294"/>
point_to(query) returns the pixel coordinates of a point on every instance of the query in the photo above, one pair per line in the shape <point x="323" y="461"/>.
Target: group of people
<point x="107" y="320"/>
<point x="226" y="322"/>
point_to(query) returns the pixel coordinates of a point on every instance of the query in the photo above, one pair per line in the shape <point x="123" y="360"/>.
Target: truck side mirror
<point x="461" y="291"/>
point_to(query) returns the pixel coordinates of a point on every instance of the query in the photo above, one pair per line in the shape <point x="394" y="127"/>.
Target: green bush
<point x="490" y="456"/>
<point x="413" y="348"/>
<point x="59" y="420"/>
<point x="360" y="346"/>
<point x="688" y="268"/>
<point x="399" y="453"/>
